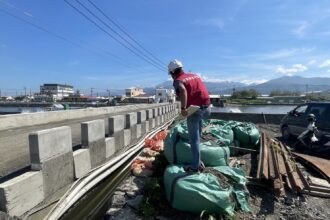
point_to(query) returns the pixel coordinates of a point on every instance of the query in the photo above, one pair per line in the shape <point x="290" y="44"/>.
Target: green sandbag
<point x="247" y="134"/>
<point x="179" y="152"/>
<point x="197" y="192"/>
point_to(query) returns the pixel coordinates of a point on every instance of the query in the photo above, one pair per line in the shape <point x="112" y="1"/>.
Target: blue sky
<point x="242" y="40"/>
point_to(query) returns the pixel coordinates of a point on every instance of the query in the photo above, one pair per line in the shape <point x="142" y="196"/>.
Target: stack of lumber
<point x="316" y="186"/>
<point x="277" y="165"/>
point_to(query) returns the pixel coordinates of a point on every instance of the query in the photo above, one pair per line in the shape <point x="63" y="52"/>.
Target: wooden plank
<point x="260" y="157"/>
<point x="265" y="158"/>
<point x="232" y="162"/>
<point x="318" y="182"/>
<point x="271" y="162"/>
<point x="293" y="176"/>
<point x="319" y="189"/>
<point x="319" y="164"/>
<point x="318" y="194"/>
<point x="281" y="164"/>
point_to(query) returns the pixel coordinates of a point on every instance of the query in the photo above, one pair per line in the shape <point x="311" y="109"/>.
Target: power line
<point x="125" y="32"/>
<point x="137" y="50"/>
<point x="102" y="52"/>
<point x="110" y="35"/>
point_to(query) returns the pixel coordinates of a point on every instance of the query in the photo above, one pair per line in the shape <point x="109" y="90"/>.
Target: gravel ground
<point x="127" y="199"/>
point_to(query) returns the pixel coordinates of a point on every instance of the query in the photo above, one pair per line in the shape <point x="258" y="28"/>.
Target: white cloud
<point x="300" y="31"/>
<point x="291" y="70"/>
<point x="325" y="64"/>
<point x="311" y="62"/>
<point x="328" y="71"/>
<point x="215" y="22"/>
<point x="253" y="81"/>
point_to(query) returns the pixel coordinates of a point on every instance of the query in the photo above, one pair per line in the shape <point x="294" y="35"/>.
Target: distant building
<point x="164" y="95"/>
<point x="58" y="91"/>
<point x="134" y="91"/>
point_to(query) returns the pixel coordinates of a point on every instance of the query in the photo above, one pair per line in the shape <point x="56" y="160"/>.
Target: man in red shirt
<point x="191" y="91"/>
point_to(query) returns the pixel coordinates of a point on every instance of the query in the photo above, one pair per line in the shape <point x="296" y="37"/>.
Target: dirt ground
<point x="126" y="203"/>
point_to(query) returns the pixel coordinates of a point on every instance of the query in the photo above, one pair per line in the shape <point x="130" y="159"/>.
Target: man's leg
<point x="194" y="137"/>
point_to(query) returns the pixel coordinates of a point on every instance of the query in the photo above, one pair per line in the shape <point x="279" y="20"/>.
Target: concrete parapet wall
<point x="55" y="165"/>
<point x="38" y="118"/>
<point x="249" y="117"/>
<point x="20" y="194"/>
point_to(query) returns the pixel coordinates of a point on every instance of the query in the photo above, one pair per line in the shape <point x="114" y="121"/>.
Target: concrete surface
<point x="110" y="147"/>
<point x="93" y="138"/>
<point x="82" y="164"/>
<point x="127" y="137"/>
<point x="131" y="119"/>
<point x="57" y="173"/>
<point x="22" y="193"/>
<point x="141" y="116"/>
<point x="49" y="143"/>
<point x="92" y="131"/>
<point x="116" y="123"/>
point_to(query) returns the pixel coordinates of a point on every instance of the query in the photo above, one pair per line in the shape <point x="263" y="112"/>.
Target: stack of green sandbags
<point x="202" y="191"/>
<point x="213" y="153"/>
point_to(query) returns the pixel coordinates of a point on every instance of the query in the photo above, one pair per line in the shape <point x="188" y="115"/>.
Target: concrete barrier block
<point x="119" y="140"/>
<point x="92" y="131"/>
<point x="116" y="123"/>
<point x="127" y="137"/>
<point x="152" y="123"/>
<point x="131" y="120"/>
<point x="49" y="143"/>
<point x="93" y="138"/>
<point x="162" y="119"/>
<point x="149" y="114"/>
<point x="138" y="130"/>
<point x="22" y="193"/>
<point x="155" y="112"/>
<point x="158" y="121"/>
<point x="160" y="111"/>
<point x="57" y="173"/>
<point x="145" y="127"/>
<point x="141" y="116"/>
<point x="82" y="162"/>
<point x="110" y="147"/>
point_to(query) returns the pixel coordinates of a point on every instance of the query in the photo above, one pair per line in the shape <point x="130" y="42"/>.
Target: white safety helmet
<point x="174" y="64"/>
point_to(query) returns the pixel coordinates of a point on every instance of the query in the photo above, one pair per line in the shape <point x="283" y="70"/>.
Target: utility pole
<point x="92" y="91"/>
<point x="24" y="91"/>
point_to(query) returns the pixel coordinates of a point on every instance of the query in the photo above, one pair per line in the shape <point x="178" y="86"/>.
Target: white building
<point x="133" y="91"/>
<point x="164" y="95"/>
<point x="58" y="91"/>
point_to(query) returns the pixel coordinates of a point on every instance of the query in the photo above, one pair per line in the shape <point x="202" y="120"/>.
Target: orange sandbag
<point x="161" y="135"/>
<point x="149" y="142"/>
<point x="148" y="152"/>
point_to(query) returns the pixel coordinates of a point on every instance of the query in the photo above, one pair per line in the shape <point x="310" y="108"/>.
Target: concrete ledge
<point x="49" y="143"/>
<point x="19" y="195"/>
<point x="116" y="123"/>
<point x="155" y="112"/>
<point x="110" y="147"/>
<point x="152" y="123"/>
<point x="145" y="127"/>
<point x="82" y="164"/>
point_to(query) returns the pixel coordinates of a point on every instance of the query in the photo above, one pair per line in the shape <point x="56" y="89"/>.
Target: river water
<point x="266" y="109"/>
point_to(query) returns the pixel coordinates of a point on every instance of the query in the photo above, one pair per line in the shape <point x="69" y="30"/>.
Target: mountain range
<point x="285" y="83"/>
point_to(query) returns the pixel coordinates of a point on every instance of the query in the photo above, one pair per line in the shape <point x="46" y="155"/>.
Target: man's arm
<point x="183" y="99"/>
